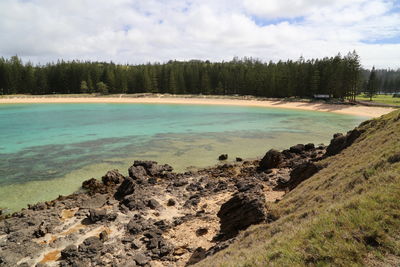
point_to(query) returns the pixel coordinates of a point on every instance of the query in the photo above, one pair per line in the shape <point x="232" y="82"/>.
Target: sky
<point x="134" y="31"/>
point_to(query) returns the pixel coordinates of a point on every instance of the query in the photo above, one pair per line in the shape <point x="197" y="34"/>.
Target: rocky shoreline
<point x="155" y="217"/>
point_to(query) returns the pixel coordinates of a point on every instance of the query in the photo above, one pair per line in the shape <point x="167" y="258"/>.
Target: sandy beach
<point x="356" y="110"/>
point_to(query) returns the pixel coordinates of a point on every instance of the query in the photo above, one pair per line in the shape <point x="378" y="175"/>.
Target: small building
<point x="322" y="96"/>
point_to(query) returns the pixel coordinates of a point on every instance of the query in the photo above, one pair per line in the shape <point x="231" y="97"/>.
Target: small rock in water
<point x="239" y="159"/>
<point x="223" y="157"/>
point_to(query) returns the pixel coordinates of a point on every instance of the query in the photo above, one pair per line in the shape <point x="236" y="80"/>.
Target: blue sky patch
<point x="265" y="22"/>
<point x="391" y="40"/>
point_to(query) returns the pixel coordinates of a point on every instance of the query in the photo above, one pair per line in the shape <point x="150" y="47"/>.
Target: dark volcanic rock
<point x="309" y="146"/>
<point x="171" y="202"/>
<point x="42" y="230"/>
<point x="241" y="211"/>
<point x="140" y="259"/>
<point x="219" y="246"/>
<point x="38" y="206"/>
<point x="239" y="159"/>
<point x="272" y="159"/>
<point x="243" y="186"/>
<point x="299" y="174"/>
<point x="221" y="186"/>
<point x="153" y="204"/>
<point x="155" y="243"/>
<point x="93" y="186"/>
<point x="103" y="236"/>
<point x="193" y="200"/>
<point x="394" y="158"/>
<point x="180" y="183"/>
<point x="137" y="224"/>
<point x="97" y="215"/>
<point x="159" y="169"/>
<point x="223" y="157"/>
<point x="198" y="255"/>
<point x="135" y="201"/>
<point x="201" y="231"/>
<point x="112" y="177"/>
<point x="340" y="142"/>
<point x="126" y="188"/>
<point x="69" y="252"/>
<point x="91" y="247"/>
<point x="194" y="187"/>
<point x="147" y="164"/>
<point x="297" y="149"/>
<point x="137" y="172"/>
<point x="143" y="168"/>
<point x="134" y="227"/>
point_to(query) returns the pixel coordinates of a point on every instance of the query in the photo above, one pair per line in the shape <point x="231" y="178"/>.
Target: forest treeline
<point x="339" y="76"/>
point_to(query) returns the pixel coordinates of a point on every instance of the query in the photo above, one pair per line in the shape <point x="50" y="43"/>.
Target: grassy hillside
<point x="348" y="214"/>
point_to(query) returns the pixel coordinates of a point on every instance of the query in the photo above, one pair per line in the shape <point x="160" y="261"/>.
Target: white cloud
<point x="134" y="31"/>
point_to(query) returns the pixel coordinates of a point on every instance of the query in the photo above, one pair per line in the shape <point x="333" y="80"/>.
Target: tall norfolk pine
<point x="339" y="76"/>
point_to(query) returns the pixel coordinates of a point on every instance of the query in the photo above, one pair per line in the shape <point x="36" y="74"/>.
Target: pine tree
<point x="84" y="87"/>
<point x="102" y="88"/>
<point x="315" y="80"/>
<point x="205" y="83"/>
<point x="172" y="83"/>
<point x="372" y="84"/>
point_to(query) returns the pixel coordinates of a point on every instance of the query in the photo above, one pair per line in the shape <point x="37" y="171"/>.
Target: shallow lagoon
<point x="49" y="149"/>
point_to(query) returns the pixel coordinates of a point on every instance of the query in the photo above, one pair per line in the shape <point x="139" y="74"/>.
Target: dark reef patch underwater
<point x="49" y="149"/>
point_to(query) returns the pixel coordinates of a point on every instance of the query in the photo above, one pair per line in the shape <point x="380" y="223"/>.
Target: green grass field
<point x="383" y="99"/>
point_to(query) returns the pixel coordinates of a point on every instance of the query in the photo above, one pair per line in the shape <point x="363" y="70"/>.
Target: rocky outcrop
<point x="241" y="211"/>
<point x="137" y="172"/>
<point x="272" y="159"/>
<point x="297" y="149"/>
<point x="112" y="177"/>
<point x="126" y="188"/>
<point x="299" y="174"/>
<point x="153" y="216"/>
<point x="340" y="142"/>
<point x="151" y="168"/>
<point x="94" y="186"/>
<point x="108" y="182"/>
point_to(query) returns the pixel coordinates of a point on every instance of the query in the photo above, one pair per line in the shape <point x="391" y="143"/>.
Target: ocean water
<point x="49" y="149"/>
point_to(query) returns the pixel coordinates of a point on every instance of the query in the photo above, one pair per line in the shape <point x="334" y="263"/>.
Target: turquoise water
<point x="49" y="149"/>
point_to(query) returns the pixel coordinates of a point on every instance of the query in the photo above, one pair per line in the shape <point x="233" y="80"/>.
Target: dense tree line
<point x="387" y="80"/>
<point x="339" y="76"/>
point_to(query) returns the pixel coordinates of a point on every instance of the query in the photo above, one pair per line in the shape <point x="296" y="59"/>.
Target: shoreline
<point x="356" y="110"/>
<point x="180" y="212"/>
